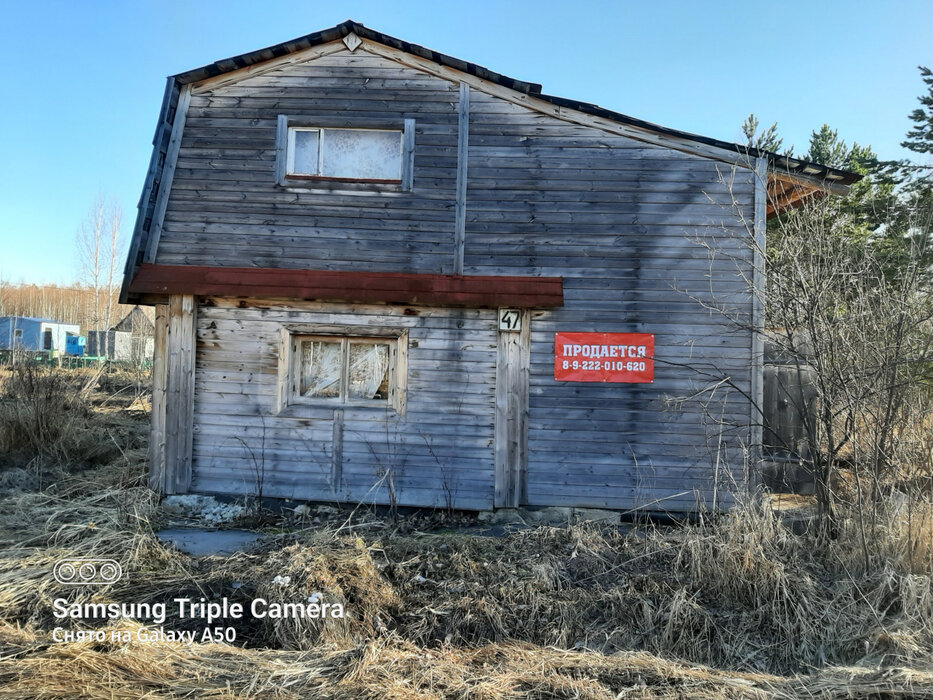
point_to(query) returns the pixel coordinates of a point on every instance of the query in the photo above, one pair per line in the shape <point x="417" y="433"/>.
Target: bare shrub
<point x="45" y="419"/>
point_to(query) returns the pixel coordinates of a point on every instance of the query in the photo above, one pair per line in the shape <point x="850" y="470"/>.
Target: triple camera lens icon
<point x="87" y="572"/>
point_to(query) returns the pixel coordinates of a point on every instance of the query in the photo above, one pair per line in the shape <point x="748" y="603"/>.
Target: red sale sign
<point x="604" y="357"/>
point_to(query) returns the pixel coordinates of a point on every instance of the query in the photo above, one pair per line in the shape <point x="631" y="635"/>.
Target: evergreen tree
<point x="767" y="140"/>
<point x="920" y="137"/>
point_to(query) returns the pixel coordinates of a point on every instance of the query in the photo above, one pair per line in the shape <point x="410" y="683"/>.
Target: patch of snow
<point x="205" y="508"/>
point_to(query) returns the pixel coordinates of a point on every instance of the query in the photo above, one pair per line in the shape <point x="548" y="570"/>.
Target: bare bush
<point x="853" y="310"/>
<point x="47" y="421"/>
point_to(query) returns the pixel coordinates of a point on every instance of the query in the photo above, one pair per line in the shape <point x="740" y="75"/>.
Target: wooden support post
<point x="157" y="411"/>
<point x="179" y="392"/>
<point x="511" y="431"/>
<point x="756" y="419"/>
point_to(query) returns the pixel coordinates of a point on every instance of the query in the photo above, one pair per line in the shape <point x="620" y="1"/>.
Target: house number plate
<point x="510" y="319"/>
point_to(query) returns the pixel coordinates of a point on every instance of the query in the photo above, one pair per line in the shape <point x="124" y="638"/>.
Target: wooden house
<point x="385" y="275"/>
<point x="130" y="340"/>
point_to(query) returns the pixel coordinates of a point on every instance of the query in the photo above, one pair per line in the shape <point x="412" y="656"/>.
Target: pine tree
<point x="920" y="137"/>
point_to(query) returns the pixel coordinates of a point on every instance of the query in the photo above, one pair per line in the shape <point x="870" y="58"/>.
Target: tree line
<point x="92" y="302"/>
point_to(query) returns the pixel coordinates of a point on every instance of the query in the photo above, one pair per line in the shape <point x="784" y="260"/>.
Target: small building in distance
<point x="130" y="340"/>
<point x="31" y="334"/>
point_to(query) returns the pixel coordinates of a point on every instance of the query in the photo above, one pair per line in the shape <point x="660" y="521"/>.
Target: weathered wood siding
<point x="646" y="239"/>
<point x="225" y="208"/>
<point x="439" y="454"/>
<point x="619" y="219"/>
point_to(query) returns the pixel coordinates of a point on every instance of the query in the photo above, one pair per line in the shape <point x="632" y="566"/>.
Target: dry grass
<point x="394" y="669"/>
<point x="730" y="608"/>
<point x="733" y="607"/>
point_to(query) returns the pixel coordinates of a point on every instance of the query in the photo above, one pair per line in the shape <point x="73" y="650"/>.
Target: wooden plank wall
<point x="440" y="453"/>
<point x="225" y="208"/>
<point x="616" y="218"/>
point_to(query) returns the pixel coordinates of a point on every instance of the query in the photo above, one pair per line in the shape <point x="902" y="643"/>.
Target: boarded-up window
<point x="348" y="370"/>
<point x="320" y="368"/>
<point x="368" y="374"/>
<point x="348" y="154"/>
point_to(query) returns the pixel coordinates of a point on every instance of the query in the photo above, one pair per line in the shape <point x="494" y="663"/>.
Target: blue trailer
<point x="47" y="335"/>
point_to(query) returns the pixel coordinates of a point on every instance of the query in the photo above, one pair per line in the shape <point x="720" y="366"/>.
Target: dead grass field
<point x="733" y="607"/>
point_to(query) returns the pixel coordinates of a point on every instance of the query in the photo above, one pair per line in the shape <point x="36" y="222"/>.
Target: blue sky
<point x="82" y="81"/>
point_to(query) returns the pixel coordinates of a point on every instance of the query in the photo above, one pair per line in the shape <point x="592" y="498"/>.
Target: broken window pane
<point x="369" y="371"/>
<point x="320" y="368"/>
<point x="306" y="152"/>
<point x="361" y="153"/>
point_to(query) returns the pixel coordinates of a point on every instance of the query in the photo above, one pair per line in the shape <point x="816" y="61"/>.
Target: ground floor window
<point x="352" y="370"/>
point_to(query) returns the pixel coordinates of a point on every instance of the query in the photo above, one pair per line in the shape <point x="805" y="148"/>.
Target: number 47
<point x="510" y="319"/>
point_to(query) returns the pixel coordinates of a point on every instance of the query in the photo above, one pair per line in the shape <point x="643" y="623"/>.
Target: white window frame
<point x="289" y="394"/>
<point x="287" y="126"/>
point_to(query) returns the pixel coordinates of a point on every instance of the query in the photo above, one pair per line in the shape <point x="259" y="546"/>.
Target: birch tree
<point x="100" y="247"/>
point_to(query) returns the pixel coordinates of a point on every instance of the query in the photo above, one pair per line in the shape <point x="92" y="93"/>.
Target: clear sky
<point x="82" y="81"/>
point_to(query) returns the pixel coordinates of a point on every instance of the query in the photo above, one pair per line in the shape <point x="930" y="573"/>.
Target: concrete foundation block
<point x="596" y="515"/>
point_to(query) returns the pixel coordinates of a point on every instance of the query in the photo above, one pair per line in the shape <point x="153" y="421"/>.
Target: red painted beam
<point x="350" y="286"/>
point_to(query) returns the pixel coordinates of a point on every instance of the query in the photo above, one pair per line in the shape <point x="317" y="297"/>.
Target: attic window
<point x="378" y="153"/>
<point x="353" y="154"/>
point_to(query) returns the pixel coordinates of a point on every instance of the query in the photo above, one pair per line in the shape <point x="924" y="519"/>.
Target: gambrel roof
<point x="790" y="180"/>
<point x="345" y="29"/>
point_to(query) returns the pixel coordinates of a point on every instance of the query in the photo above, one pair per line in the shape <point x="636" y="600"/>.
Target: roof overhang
<point x="158" y="281"/>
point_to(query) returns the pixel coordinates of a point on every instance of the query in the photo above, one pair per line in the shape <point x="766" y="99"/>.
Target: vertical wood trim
<point x="282" y="382"/>
<point x="157" y="411"/>
<point x="463" y="138"/>
<point x="523" y="393"/>
<point x="511" y="425"/>
<point x="344" y="369"/>
<point x="408" y="155"/>
<point x="281" y="148"/>
<point x="502" y="486"/>
<point x="756" y="422"/>
<point x="337" y="451"/>
<point x="179" y="404"/>
<point x="168" y="174"/>
<point x="400" y="369"/>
